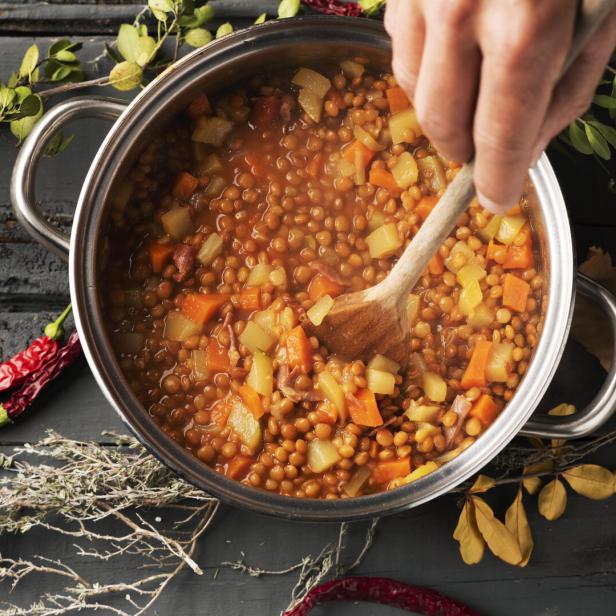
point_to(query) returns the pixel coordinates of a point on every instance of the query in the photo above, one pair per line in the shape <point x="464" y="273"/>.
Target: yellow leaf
<point x="535" y="442"/>
<point x="552" y="500"/>
<point x="483" y="483"/>
<point x="468" y="536"/>
<point x="500" y="540"/>
<point x="517" y="523"/>
<point x="562" y="410"/>
<point x="532" y="484"/>
<point x="591" y="480"/>
<point x="557" y="444"/>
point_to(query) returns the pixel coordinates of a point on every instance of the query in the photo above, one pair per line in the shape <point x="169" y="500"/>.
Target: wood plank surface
<point x="573" y="570"/>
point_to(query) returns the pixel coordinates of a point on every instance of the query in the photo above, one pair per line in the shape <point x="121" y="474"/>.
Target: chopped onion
<point x="311" y="103"/>
<point x="212" y="130"/>
<point x="351" y="68"/>
<point x="367" y="139"/>
<point x="312" y="81"/>
<point x="356" y="482"/>
<point x="210" y="249"/>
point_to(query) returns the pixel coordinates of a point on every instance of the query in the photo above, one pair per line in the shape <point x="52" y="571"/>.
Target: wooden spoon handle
<point x="459" y="194"/>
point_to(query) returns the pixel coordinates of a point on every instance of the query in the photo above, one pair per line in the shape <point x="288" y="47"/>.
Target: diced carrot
<point x="436" y="265"/>
<point x="365" y="154"/>
<point x="397" y="99"/>
<point x="185" y="185"/>
<point x="515" y="293"/>
<point x="200" y="308"/>
<point x="374" y="449"/>
<point x="199" y="106"/>
<point x="299" y="349"/>
<point x="425" y="206"/>
<point x="485" y="410"/>
<point x="327" y="412"/>
<point x="160" y="255"/>
<point x="315" y="165"/>
<point x="385" y="471"/>
<point x="475" y="374"/>
<point x="251" y="399"/>
<point x="364" y="410"/>
<point x="492" y="249"/>
<point x="220" y="412"/>
<point x="379" y="176"/>
<point x="217" y="356"/>
<point x="238" y="466"/>
<point x="519" y="257"/>
<point x="250" y="298"/>
<point x="321" y="285"/>
<point x="266" y="110"/>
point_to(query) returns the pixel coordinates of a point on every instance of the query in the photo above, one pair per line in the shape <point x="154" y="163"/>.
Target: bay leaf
<point x="591" y="480"/>
<point x="483" y="483"/>
<point x="468" y="536"/>
<point x="500" y="540"/>
<point x="562" y="410"/>
<point x="552" y="500"/>
<point x="517" y="523"/>
<point x="532" y="484"/>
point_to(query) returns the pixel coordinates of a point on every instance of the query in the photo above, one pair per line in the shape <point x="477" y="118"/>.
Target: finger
<point x="405" y="24"/>
<point x="446" y="90"/>
<point x="519" y="70"/>
<point x="573" y="94"/>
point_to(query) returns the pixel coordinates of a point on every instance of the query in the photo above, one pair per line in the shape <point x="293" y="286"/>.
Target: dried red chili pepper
<point x="22" y="397"/>
<point x="334" y="7"/>
<point x="15" y="370"/>
<point x="385" y="591"/>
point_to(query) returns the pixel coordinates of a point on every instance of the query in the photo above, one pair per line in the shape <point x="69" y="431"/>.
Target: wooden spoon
<point x="375" y="320"/>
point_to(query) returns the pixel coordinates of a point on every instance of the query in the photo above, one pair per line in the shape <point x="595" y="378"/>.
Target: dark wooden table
<point x="573" y="569"/>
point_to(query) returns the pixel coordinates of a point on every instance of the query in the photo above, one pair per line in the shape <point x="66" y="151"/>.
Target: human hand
<point x="484" y="80"/>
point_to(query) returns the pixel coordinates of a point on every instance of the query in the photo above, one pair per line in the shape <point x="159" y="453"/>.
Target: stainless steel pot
<point x="277" y="44"/>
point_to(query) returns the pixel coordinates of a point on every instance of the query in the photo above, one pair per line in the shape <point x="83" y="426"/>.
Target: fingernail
<point x="493" y="206"/>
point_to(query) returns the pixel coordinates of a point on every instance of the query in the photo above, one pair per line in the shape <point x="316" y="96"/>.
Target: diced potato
<point x="381" y="382"/>
<point x="122" y="193"/>
<point x="470" y="297"/>
<point x="259" y="275"/>
<point x="357" y="481"/>
<point x="266" y="319"/>
<point x="211" y="164"/>
<point x="459" y="247"/>
<point x="404" y="126"/>
<point x="434" y="386"/>
<point x="433" y="172"/>
<point x="384" y="241"/>
<point x="491" y="229"/>
<point x="178" y="327"/>
<point x="215" y="186"/>
<point x="412" y="308"/>
<point x="200" y="370"/>
<point x="405" y="171"/>
<point x="127" y="343"/>
<point x="322" y="455"/>
<point x="380" y="362"/>
<point x="319" y="310"/>
<point x="278" y="277"/>
<point x="471" y="271"/>
<point x="261" y="375"/>
<point x="376" y="220"/>
<point x="210" y="249"/>
<point x="255" y="338"/>
<point x="310" y="103"/>
<point x="480" y="317"/>
<point x="312" y="81"/>
<point x="212" y="130"/>
<point x="177" y="222"/>
<point x="345" y="168"/>
<point x="510" y="226"/>
<point x="351" y="68"/>
<point x="244" y="424"/>
<point x="288" y="318"/>
<point x="367" y="139"/>
<point x="500" y="362"/>
<point x="422" y="471"/>
<point x="422" y="412"/>
<point x="330" y="388"/>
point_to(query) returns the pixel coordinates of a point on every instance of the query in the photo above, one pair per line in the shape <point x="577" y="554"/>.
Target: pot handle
<point x="24" y="171"/>
<point x="604" y="403"/>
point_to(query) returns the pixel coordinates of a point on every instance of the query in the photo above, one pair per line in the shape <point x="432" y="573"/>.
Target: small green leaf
<point x="143" y="30"/>
<point x="198" y="37"/>
<point x="29" y="62"/>
<point x="160" y="8"/>
<point x="112" y="53"/>
<point x="7" y="96"/>
<point x="579" y="139"/>
<point x="13" y="80"/>
<point x="35" y="75"/>
<point x="58" y="144"/>
<point x="200" y="15"/>
<point x="603" y="100"/>
<point x="22" y="92"/>
<point x="126" y="76"/>
<point x="370" y="7"/>
<point x="144" y="50"/>
<point x="64" y="44"/>
<point x="609" y="132"/>
<point x="62" y="72"/>
<point x="21" y="128"/>
<point x="66" y="56"/>
<point x="288" y="8"/>
<point x="128" y="42"/>
<point x="261" y="19"/>
<point x="30" y="106"/>
<point x="598" y="142"/>
<point x="224" y="30"/>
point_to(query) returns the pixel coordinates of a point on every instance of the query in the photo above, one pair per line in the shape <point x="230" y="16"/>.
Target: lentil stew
<point x="243" y="220"/>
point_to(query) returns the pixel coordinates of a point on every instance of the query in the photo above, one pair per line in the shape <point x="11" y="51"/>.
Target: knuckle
<point x="504" y="145"/>
<point x="579" y="104"/>
<point x="455" y="14"/>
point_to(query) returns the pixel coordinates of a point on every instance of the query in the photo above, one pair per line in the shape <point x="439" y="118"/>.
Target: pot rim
<point x="86" y="236"/>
